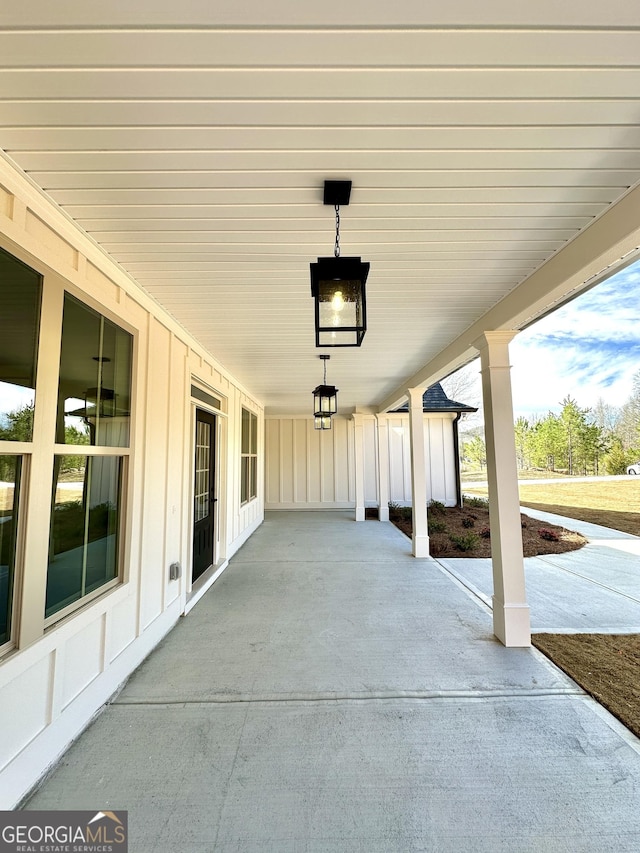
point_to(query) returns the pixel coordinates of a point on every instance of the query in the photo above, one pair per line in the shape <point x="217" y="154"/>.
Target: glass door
<point x="204" y="499"/>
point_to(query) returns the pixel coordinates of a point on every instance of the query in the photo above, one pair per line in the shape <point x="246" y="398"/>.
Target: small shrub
<point x="405" y="512"/>
<point x="486" y="533"/>
<point x="480" y="503"/>
<point x="464" y="543"/>
<point x="549" y="535"/>
<point x="436" y="507"/>
<point x="468" y="522"/>
<point x="435" y="525"/>
<point x="393" y="508"/>
<point x="436" y="547"/>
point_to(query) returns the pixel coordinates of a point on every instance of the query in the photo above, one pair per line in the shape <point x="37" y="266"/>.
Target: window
<point x="249" y="463"/>
<point x="94" y="393"/>
<point x="72" y="456"/>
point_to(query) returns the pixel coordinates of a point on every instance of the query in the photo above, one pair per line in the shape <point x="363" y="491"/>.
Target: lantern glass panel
<point x="322" y="422"/>
<point x="340" y="311"/>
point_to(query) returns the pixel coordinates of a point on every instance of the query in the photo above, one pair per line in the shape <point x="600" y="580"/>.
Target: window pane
<point x="253" y="476"/>
<point x="254" y="434"/>
<point x="246" y="431"/>
<point x="20" y="298"/>
<point x="9" y="488"/>
<point x="95" y="379"/>
<point x="203" y="449"/>
<point x="84" y="527"/>
<point x="244" y="479"/>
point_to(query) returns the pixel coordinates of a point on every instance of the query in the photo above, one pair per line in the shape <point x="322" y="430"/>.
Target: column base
<point x="420" y="546"/>
<point x="360" y="513"/>
<point x="511" y="624"/>
<point x="383" y="513"/>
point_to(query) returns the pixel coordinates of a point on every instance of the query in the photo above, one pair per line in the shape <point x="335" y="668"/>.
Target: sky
<point x="589" y="350"/>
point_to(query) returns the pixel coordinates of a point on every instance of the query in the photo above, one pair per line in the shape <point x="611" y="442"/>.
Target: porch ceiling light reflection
<point x="338" y="285"/>
<point x="325" y="401"/>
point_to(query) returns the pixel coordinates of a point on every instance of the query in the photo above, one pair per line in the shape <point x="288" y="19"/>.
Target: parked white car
<point x="634" y="469"/>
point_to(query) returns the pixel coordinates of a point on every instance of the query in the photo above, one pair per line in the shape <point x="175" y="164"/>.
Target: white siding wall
<point x="307" y="468"/>
<point x="315" y="469"/>
<point x="52" y="686"/>
<point x="439" y="450"/>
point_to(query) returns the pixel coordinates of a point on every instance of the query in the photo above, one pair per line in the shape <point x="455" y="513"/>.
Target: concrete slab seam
<point x="466" y="586"/>
<point x="358" y="698"/>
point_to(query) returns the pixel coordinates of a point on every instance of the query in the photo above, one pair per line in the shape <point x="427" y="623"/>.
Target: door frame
<point x="194" y="590"/>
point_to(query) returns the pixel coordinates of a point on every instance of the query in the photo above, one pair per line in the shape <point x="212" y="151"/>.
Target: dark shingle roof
<point x="435" y="400"/>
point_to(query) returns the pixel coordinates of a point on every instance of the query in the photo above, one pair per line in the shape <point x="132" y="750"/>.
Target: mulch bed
<point x="470" y="525"/>
<point x="607" y="666"/>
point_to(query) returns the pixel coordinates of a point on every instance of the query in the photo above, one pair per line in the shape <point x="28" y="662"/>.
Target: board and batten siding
<point x="315" y="469"/>
<point x="54" y="681"/>
<point x="307" y="468"/>
<point x="440" y="458"/>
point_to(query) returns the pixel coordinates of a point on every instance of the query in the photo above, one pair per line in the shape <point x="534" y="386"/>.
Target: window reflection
<point x="9" y="488"/>
<point x="95" y="379"/>
<point x="20" y="292"/>
<point x="84" y="528"/>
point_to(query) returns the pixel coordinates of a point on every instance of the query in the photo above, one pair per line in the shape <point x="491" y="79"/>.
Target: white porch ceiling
<point x="191" y="142"/>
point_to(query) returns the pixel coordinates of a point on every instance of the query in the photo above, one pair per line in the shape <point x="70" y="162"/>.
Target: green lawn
<point x="614" y="503"/>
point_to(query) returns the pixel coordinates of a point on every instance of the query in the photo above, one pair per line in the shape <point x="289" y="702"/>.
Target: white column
<point x="383" y="467"/>
<point x="511" y="622"/>
<point x="359" y="465"/>
<point x="418" y="474"/>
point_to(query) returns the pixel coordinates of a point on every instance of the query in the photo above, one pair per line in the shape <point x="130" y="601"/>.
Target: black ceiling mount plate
<point x="337" y="192"/>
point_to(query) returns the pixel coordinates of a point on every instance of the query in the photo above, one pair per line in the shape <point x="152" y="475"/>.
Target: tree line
<point x="579" y="441"/>
<point x="18" y="426"/>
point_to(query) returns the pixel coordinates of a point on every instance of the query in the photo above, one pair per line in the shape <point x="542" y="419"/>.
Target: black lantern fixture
<point x="99" y="403"/>
<point x="325" y="401"/>
<point x="338" y="285"/>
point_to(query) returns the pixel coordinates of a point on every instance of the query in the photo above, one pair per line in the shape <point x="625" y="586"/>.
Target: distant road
<point x="483" y="485"/>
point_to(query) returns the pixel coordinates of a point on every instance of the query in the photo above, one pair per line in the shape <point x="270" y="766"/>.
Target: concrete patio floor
<point x="332" y="693"/>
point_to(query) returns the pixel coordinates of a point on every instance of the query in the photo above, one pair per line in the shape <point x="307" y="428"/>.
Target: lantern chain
<point x="336" y="250"/>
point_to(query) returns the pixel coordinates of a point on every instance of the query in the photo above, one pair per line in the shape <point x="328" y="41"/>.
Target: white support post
<point x="359" y="465"/>
<point x="420" y="537"/>
<point x="511" y="623"/>
<point x="383" y="467"/>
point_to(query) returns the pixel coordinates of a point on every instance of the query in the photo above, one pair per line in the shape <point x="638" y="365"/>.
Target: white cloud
<point x="588" y="349"/>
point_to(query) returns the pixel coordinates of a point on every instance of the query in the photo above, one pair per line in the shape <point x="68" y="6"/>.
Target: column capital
<point x="415" y="397"/>
<point x="500" y="337"/>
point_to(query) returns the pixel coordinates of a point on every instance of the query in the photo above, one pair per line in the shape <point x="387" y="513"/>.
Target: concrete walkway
<point x="595" y="589"/>
<point x="331" y="693"/>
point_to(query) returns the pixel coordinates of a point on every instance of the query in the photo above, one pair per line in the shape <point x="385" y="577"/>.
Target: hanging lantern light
<point x="338" y="285"/>
<point x="325" y="401"/>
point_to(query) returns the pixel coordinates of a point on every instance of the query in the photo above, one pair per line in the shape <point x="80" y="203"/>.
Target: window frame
<point x="18" y="563"/>
<point x="248" y="468"/>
